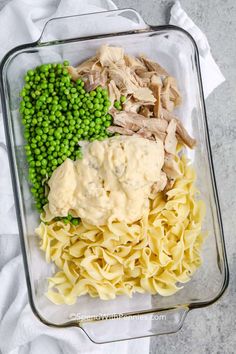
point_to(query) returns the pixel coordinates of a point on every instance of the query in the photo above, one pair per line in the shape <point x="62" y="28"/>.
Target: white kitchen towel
<point x="211" y="74"/>
<point x="20" y="332"/>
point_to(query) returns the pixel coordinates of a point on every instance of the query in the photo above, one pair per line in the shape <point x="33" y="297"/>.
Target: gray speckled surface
<point x="213" y="329"/>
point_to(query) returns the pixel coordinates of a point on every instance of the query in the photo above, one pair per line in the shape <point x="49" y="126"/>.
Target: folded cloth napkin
<point x="211" y="74"/>
<point x="20" y="332"/>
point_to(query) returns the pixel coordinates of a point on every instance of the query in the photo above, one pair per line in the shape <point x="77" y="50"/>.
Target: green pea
<point x="86" y="121"/>
<point x="57" y="135"/>
<point x="98" y="120"/>
<point x="37" y="151"/>
<point x="43" y="171"/>
<point x="54" y="162"/>
<point x="90" y="105"/>
<point x="97" y="114"/>
<point x="75" y="222"/>
<point x="117" y="104"/>
<point x="107" y="124"/>
<point x="44" y="162"/>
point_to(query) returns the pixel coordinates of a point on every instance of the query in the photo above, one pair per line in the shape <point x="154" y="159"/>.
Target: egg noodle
<point x="152" y="255"/>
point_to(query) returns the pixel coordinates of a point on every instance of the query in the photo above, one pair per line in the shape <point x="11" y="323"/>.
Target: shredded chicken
<point x="120" y="130"/>
<point x="160" y="135"/>
<point x="144" y="94"/>
<point x="133" y="62"/>
<point x="145" y="133"/>
<point x="123" y="79"/>
<point x="94" y="79"/>
<point x="153" y="66"/>
<point x="87" y="65"/>
<point x="155" y="86"/>
<point x="171" y="167"/>
<point x="174" y="92"/>
<point x="108" y="55"/>
<point x="144" y="74"/>
<point x="132" y="105"/>
<point x="159" y="185"/>
<point x="73" y="73"/>
<point x="146" y="111"/>
<point x="134" y="121"/>
<point x="114" y="92"/>
<point x="151" y="96"/>
<point x="169" y="184"/>
<point x="171" y="140"/>
<point x="170" y="96"/>
<point x="182" y="133"/>
<point x="141" y="82"/>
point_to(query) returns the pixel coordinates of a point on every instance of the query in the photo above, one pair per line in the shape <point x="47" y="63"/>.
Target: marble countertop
<point x="213" y="329"/>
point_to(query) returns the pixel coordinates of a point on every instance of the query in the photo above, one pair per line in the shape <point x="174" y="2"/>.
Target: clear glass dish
<point x="73" y="39"/>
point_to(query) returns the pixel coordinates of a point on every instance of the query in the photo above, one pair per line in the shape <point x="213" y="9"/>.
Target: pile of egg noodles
<point x="155" y="254"/>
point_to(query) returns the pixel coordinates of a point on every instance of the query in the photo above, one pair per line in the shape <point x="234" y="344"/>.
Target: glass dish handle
<point x="136" y="326"/>
<point x="92" y="24"/>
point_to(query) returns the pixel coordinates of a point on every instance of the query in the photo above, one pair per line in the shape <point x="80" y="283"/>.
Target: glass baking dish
<point x="73" y="38"/>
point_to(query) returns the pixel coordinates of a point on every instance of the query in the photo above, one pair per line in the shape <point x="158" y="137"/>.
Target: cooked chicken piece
<point x="171" y="167"/>
<point x="144" y="94"/>
<point x="87" y="65"/>
<point x="182" y="133"/>
<point x="123" y="79"/>
<point x="175" y="95"/>
<point x="156" y="80"/>
<point x="153" y="66"/>
<point x="94" y="79"/>
<point x="114" y="93"/>
<point x="146" y="111"/>
<point x="160" y="135"/>
<point x="134" y="78"/>
<point x="167" y="103"/>
<point x="170" y="95"/>
<point x="170" y="140"/>
<point x="120" y="130"/>
<point x="159" y="185"/>
<point x="131" y="105"/>
<point x="145" y="133"/>
<point x="108" y="55"/>
<point x="165" y="95"/>
<point x="169" y="184"/>
<point x="133" y="63"/>
<point x="141" y="82"/>
<point x="145" y="75"/>
<point x="135" y="122"/>
<point x="156" y="85"/>
<point x="73" y="73"/>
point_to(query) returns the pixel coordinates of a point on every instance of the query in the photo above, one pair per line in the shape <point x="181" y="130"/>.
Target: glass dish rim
<point x="150" y="29"/>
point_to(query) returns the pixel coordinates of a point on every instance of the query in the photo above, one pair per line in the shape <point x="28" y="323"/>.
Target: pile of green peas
<point x="57" y="113"/>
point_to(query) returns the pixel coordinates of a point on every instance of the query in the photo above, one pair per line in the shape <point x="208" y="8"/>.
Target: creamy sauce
<point x="113" y="180"/>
